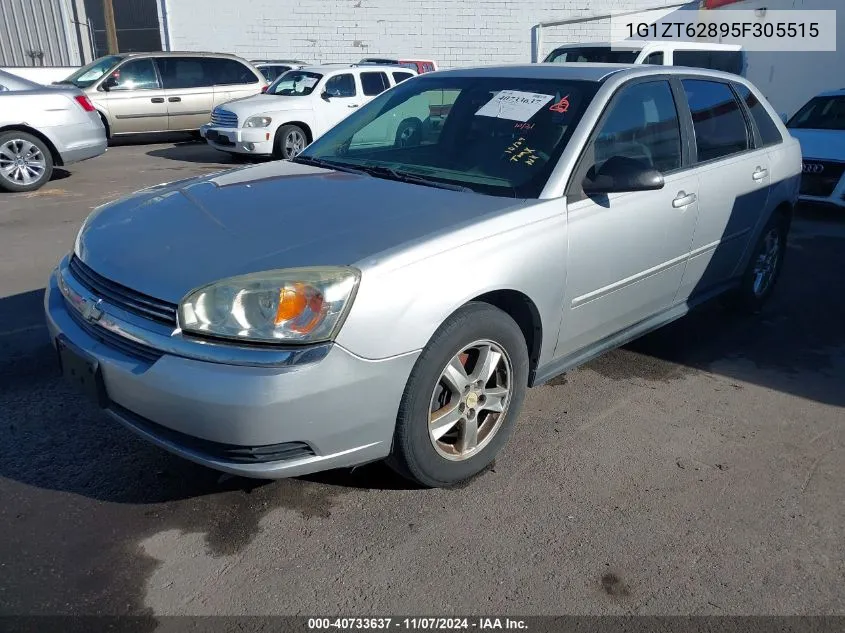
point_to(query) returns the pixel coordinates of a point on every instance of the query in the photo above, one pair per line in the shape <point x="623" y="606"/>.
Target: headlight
<point x="297" y="305"/>
<point x="258" y="121"/>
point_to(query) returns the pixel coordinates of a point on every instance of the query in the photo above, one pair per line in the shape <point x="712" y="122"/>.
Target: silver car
<point x="41" y="127"/>
<point x="381" y="297"/>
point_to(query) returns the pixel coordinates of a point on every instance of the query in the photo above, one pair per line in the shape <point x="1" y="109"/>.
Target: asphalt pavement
<point x="697" y="471"/>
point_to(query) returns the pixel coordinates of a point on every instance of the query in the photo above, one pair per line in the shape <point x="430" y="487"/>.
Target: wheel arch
<point x="20" y="127"/>
<point x="309" y="135"/>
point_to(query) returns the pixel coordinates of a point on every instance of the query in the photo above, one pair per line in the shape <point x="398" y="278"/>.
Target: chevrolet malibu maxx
<point x="381" y="298"/>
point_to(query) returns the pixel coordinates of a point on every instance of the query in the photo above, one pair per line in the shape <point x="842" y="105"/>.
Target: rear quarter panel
<point x="405" y="295"/>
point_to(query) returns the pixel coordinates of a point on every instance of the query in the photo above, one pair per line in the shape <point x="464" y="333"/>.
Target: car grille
<point x="224" y="118"/>
<point x="115" y="341"/>
<point x="121" y="296"/>
<point x="820" y="177"/>
<point x="216" y="450"/>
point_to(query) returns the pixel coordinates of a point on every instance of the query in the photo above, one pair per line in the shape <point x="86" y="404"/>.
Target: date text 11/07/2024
<point x="414" y="624"/>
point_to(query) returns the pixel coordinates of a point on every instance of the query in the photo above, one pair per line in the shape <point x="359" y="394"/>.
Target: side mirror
<point x="109" y="83"/>
<point x="325" y="96"/>
<point x="620" y="173"/>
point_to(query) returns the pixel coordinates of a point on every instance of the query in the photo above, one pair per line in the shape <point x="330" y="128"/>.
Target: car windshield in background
<point x="295" y="83"/>
<point x="593" y="54"/>
<point x="821" y="113"/>
<point x="91" y="73"/>
<point x="494" y="135"/>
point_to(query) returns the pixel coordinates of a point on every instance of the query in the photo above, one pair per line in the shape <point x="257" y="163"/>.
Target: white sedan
<point x="299" y="107"/>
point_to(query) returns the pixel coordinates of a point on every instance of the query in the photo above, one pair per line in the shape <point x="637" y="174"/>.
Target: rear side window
<point x="720" y="128"/>
<point x="227" y="72"/>
<point x="374" y="83"/>
<point x="183" y="72"/>
<point x="655" y="58"/>
<point x="728" y="61"/>
<point x="769" y="132"/>
<point x="341" y="86"/>
<point x="643" y="125"/>
<point x="400" y="77"/>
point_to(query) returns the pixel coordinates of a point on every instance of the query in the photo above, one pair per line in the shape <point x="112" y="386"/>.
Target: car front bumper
<point x="825" y="187"/>
<point x="325" y="410"/>
<point x="255" y="141"/>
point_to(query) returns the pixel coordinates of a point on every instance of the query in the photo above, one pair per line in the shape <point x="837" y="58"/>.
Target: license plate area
<point x="82" y="371"/>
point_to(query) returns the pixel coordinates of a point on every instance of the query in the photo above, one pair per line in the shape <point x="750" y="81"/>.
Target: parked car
<point x="366" y="302"/>
<point x="297" y="108"/>
<point x="421" y="66"/>
<point x="41" y="127"/>
<point x="820" y="128"/>
<point x="160" y="92"/>
<point x="272" y="70"/>
<point x="726" y="57"/>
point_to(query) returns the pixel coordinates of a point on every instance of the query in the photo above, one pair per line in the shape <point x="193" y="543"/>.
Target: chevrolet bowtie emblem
<point x="91" y="311"/>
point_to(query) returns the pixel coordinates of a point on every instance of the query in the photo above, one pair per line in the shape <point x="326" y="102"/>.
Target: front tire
<point x="26" y="163"/>
<point x="462" y="398"/>
<point x="763" y="270"/>
<point x="289" y="142"/>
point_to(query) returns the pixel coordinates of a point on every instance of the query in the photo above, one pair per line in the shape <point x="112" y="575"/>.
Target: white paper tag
<point x="514" y="105"/>
<point x="309" y="82"/>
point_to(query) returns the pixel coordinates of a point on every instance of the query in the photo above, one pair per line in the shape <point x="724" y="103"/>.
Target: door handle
<point x="157" y="99"/>
<point x="174" y="99"/>
<point x="760" y="173"/>
<point x="683" y="199"/>
<point x="352" y="106"/>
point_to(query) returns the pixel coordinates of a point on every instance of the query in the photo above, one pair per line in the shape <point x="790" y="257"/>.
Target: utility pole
<point x="111" y="29"/>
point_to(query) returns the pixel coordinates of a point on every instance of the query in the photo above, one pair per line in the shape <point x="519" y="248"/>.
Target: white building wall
<point x="453" y="32"/>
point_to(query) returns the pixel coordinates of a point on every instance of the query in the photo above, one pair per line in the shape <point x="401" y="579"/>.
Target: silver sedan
<point x="41" y="127"/>
<point x="389" y="295"/>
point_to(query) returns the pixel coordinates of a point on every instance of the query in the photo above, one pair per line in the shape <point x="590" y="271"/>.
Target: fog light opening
<point x="249" y="146"/>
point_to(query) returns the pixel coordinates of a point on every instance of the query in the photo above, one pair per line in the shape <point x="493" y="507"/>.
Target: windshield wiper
<point x="326" y="164"/>
<point x="381" y="171"/>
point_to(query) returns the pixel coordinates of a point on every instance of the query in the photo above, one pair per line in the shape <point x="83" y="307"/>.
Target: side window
<point x="182" y="72"/>
<point x="341" y="86"/>
<point x="400" y="77"/>
<point x="693" y="59"/>
<point x="720" y="128"/>
<point x="227" y="72"/>
<point x="374" y="83"/>
<point x="655" y="58"/>
<point x="728" y="61"/>
<point x="769" y="132"/>
<point x="427" y="67"/>
<point x="139" y="74"/>
<point x="643" y="124"/>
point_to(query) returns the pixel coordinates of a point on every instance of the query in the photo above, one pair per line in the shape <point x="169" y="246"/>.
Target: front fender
<point x="404" y="298"/>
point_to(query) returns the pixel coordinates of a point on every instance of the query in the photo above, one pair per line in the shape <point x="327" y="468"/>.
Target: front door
<point x="342" y="96"/>
<point x="189" y="91"/>
<point x="627" y="251"/>
<point x="135" y="99"/>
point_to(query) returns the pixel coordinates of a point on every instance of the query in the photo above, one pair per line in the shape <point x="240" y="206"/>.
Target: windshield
<point x="294" y="83"/>
<point x="821" y="113"/>
<point x="593" y="54"/>
<point x="494" y="135"/>
<point x="91" y="73"/>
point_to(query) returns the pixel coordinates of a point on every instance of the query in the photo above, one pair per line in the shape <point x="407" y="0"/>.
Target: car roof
<point x="583" y="71"/>
<point x="324" y="68"/>
<point x="833" y="93"/>
<point x="638" y="45"/>
<point x="180" y="54"/>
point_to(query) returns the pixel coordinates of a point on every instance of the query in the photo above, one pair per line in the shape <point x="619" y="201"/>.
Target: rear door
<point x="188" y="89"/>
<point x="135" y="99"/>
<point x="734" y="174"/>
<point x="627" y="251"/>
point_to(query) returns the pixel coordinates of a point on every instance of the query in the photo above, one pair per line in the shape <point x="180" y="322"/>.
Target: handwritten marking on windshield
<point x="519" y="153"/>
<point x="561" y="106"/>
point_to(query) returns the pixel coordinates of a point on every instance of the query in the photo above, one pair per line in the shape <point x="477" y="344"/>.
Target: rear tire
<point x="764" y="268"/>
<point x="289" y="142"/>
<point x="26" y="163"/>
<point x="458" y="411"/>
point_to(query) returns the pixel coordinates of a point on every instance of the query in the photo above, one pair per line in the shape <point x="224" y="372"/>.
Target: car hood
<point x="821" y="144"/>
<point x="170" y="239"/>
<point x="261" y="103"/>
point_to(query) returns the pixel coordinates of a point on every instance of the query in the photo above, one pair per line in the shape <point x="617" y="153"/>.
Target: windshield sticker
<point x="308" y="82"/>
<point x="519" y="153"/>
<point x="514" y="105"/>
<point x="561" y="106"/>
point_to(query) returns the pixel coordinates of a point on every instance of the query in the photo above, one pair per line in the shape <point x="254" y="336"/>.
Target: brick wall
<point x="453" y="32"/>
